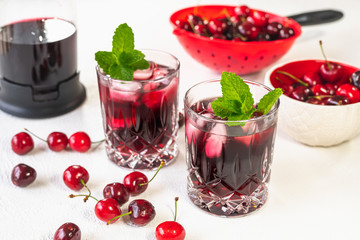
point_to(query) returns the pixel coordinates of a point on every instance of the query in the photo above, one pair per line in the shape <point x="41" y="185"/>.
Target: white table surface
<point x="314" y="192"/>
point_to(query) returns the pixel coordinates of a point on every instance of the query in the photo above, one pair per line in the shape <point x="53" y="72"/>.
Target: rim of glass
<point x="177" y="62"/>
<point x="271" y="112"/>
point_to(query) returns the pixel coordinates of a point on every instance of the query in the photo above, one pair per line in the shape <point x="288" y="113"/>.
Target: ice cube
<point x="145" y="73"/>
<point x="194" y="132"/>
<point x="125" y="91"/>
<point x="215" y="141"/>
<point x="159" y="73"/>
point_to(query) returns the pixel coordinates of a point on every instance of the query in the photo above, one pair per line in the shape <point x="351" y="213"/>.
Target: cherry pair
<point x="22" y="142"/>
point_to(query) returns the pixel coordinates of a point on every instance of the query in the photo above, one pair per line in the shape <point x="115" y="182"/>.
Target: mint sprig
<point x="237" y="102"/>
<point x="123" y="60"/>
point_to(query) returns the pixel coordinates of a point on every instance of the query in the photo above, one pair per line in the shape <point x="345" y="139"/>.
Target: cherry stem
<point x="157" y="171"/>
<point x="293" y="77"/>
<point x="82" y="195"/>
<point x="86" y="197"/>
<point x="84" y="184"/>
<point x="175" y="215"/>
<point x="320" y="96"/>
<point x="323" y="53"/>
<point x="100" y="141"/>
<point x="35" y="135"/>
<point x="128" y="213"/>
<point x="278" y="79"/>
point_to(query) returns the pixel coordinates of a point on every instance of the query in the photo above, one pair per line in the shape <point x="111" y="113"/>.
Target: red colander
<point x="225" y="55"/>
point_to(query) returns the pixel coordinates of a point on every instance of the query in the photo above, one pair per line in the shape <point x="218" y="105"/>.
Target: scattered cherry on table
<point x="22" y="143"/>
<point x="136" y="182"/>
<point x="57" y="141"/>
<point x="170" y="229"/>
<point x="80" y="142"/>
<point x="23" y="175"/>
<point x="75" y="177"/>
<point x="68" y="231"/>
<point x="117" y="191"/>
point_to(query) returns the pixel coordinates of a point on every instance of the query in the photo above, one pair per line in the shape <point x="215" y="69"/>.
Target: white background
<point x="314" y="192"/>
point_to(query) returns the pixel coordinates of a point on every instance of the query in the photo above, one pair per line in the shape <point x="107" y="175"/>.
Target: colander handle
<point x="317" y="17"/>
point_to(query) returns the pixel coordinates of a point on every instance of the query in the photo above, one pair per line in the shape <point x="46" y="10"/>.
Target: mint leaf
<point x="237" y="102"/>
<point x="105" y="59"/>
<point x="267" y="101"/>
<point x="123" y="60"/>
<point x="120" y="72"/>
<point x="134" y="59"/>
<point x="123" y="39"/>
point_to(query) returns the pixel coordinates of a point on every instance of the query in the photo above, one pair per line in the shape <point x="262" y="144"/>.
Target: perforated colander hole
<point x="213" y="54"/>
<point x="228" y="66"/>
<point x="275" y="56"/>
<point x="261" y="58"/>
<point x="256" y="66"/>
<point x="229" y="57"/>
<point x="246" y="58"/>
<point x="198" y="51"/>
<point x="242" y="67"/>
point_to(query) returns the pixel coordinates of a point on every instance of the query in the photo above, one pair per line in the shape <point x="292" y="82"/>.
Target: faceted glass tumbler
<point x="229" y="162"/>
<point x="140" y="117"/>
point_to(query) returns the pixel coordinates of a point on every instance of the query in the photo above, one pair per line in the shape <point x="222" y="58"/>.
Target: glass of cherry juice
<point x="140" y="117"/>
<point x="229" y="162"/>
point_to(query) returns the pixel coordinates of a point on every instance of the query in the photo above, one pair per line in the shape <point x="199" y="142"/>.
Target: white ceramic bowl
<point x="316" y="125"/>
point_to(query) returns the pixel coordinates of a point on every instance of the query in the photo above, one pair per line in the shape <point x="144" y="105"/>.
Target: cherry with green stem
<point x="170" y="229"/>
<point x="136" y="182"/>
<point x="140" y="212"/>
<point x="330" y="71"/>
<point x="57" y="141"/>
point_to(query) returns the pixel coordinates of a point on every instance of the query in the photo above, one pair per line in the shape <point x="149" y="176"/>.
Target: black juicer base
<point x="18" y="100"/>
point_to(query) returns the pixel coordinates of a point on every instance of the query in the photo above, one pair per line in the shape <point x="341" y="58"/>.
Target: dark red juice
<point x="141" y="118"/>
<point x="229" y="166"/>
<point x="38" y="52"/>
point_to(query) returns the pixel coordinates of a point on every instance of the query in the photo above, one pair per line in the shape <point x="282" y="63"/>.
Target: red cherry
<point x="23" y="175"/>
<point x="248" y="30"/>
<point x="68" y="231"/>
<point x="337" y="100"/>
<point x="312" y="78"/>
<point x="80" y="142"/>
<point x="107" y="210"/>
<point x="320" y="89"/>
<point x="242" y="10"/>
<point x="75" y="177"/>
<point x="183" y="25"/>
<point x="22" y="143"/>
<point x="170" y="230"/>
<point x="116" y="191"/>
<point x="135" y="182"/>
<point x="349" y="91"/>
<point x="315" y="101"/>
<point x="216" y="26"/>
<point x="301" y="93"/>
<point x="201" y="30"/>
<point x="286" y="32"/>
<point x="142" y="212"/>
<point x="57" y="141"/>
<point x="258" y="18"/>
<point x="329" y="71"/>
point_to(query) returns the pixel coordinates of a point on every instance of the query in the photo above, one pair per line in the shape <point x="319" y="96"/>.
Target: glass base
<point x="233" y="204"/>
<point x="141" y="160"/>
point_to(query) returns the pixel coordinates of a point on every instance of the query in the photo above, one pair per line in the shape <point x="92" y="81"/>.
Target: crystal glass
<point x="140" y="117"/>
<point x="229" y="165"/>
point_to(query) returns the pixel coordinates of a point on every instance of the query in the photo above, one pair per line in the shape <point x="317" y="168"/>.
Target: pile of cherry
<point x="75" y="177"/>
<point x="245" y="25"/>
<point x="330" y="85"/>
